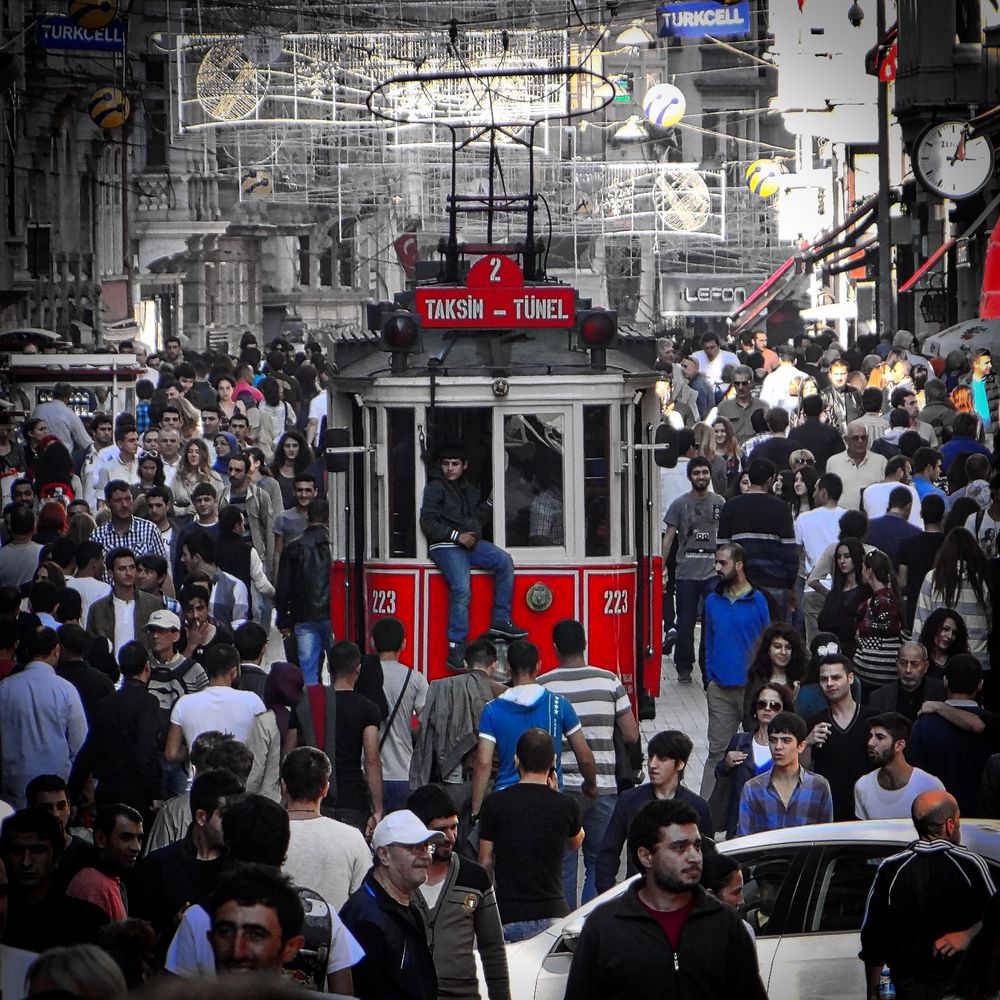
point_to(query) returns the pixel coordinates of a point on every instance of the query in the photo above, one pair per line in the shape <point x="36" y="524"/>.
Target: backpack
<point x="167" y="685"/>
<point x="308" y="967"/>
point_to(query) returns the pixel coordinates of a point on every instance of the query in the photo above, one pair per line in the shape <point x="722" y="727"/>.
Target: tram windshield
<point x="533" y="479"/>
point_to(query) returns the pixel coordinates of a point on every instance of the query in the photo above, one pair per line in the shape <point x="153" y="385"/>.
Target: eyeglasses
<point x="741" y="382"/>
<point x="857" y="437"/>
<point x="775" y="706"/>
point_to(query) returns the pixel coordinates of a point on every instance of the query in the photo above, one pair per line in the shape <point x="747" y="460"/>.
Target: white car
<point x="804" y="893"/>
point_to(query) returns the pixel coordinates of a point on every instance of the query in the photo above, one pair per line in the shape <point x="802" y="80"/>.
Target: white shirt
<point x="712" y="370"/>
<point x="124" y="622"/>
<point x="872" y="801"/>
<point x="89" y="589"/>
<point x="815" y="530"/>
<point x="876" y="501"/>
<point x="216" y="707"/>
<point x="170" y="470"/>
<point x="774" y="389"/>
<point x="117" y="469"/>
<point x="331" y="857"/>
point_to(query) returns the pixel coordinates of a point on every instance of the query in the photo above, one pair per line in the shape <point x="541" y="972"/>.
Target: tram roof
<point x="514" y="354"/>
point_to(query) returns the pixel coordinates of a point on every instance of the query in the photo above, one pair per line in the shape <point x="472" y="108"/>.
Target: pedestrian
<point x="524" y="831"/>
<point x="664" y="936"/>
<point x="912" y="687"/>
<point x="925" y="905"/>
<point x="880" y="625"/>
<point x="305" y="611"/>
<point x="693" y="520"/>
<point x="888" y="791"/>
<point x="735" y="615"/>
<point x="385" y="918"/>
<point x="787" y="794"/>
<point x="462" y="913"/>
<point x="605" y="713"/>
<point x="668" y="754"/>
<point x="838" y="735"/>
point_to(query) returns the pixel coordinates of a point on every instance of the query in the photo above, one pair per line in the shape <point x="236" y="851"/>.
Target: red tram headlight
<point x="400" y="332"/>
<point x="596" y="327"/>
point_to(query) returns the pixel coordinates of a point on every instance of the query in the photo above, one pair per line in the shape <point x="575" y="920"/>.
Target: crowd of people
<point x="176" y="799"/>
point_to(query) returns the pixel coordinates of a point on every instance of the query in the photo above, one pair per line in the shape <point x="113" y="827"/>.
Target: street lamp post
<point x="885" y="302"/>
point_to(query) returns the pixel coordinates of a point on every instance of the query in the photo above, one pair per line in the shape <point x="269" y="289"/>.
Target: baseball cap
<point x="402" y="827"/>
<point x="164" y="619"/>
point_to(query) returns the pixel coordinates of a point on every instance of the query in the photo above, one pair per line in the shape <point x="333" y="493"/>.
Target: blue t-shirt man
<point x="524" y="707"/>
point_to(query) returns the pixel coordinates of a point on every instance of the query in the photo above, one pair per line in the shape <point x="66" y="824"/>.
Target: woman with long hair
<point x="195" y="468"/>
<point x="730" y="451"/>
<point x="150" y="475"/>
<point x="748" y="753"/>
<point x="961" y="510"/>
<point x="704" y="441"/>
<point x="780" y="657"/>
<point x="784" y="487"/>
<point x="741" y="486"/>
<point x="277" y="413"/>
<point x="961" y="399"/>
<point x="944" y="635"/>
<point x="960" y="580"/>
<point x="224" y="386"/>
<point x="260" y="475"/>
<point x="50" y="572"/>
<point x="35" y="430"/>
<point x="291" y="456"/>
<point x="842" y="608"/>
<point x="81" y="527"/>
<point x="803" y="483"/>
<point x="880" y="630"/>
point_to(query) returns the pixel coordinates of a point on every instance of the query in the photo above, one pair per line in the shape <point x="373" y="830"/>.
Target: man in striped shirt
<point x="601" y="703"/>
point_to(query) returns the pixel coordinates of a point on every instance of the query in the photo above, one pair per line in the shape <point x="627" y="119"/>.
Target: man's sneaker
<point x="684" y="679"/>
<point x="509" y="630"/>
<point x="456" y="657"/>
<point x="669" y="641"/>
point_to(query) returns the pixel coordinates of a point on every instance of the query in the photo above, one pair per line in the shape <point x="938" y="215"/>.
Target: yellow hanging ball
<point x="764" y="178"/>
<point x="93" y="13"/>
<point x="109" y="107"/>
<point x="755" y="166"/>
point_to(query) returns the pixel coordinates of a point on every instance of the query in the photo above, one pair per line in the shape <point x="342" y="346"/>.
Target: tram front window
<point x="533" y="479"/>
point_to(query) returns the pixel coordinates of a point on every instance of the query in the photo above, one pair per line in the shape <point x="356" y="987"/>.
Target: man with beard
<point x="665" y="936"/>
<point x="462" y="907"/>
<point x="888" y="792"/>
<point x="385" y="918"/>
<point x="913" y="687"/>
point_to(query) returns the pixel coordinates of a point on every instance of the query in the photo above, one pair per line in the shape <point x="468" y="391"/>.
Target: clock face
<point x="950" y="164"/>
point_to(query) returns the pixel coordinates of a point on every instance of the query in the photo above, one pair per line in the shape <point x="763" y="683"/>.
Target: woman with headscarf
<point x="273" y="737"/>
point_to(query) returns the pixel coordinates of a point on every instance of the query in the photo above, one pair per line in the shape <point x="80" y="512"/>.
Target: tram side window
<point x="533" y="479"/>
<point x="597" y="479"/>
<point x="401" y="483"/>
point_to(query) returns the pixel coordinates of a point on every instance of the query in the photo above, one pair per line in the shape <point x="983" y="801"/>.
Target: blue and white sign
<point x="695" y="20"/>
<point x="56" y="32"/>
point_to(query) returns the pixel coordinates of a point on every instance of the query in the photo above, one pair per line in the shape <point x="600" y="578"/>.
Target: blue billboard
<point x="695" y="20"/>
<point x="56" y="32"/>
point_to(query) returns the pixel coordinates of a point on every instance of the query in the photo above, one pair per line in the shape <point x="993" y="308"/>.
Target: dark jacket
<point x="623" y="954"/>
<point x="121" y="749"/>
<point x="616" y="832"/>
<point x="841" y="406"/>
<point x="91" y="684"/>
<point x="733" y="780"/>
<point x="823" y="440"/>
<point x="891" y="698"/>
<point x="763" y="525"/>
<point x="397" y="963"/>
<point x="449" y="508"/>
<point x="101" y="617"/>
<point x="304" y="561"/>
<point x="464" y="920"/>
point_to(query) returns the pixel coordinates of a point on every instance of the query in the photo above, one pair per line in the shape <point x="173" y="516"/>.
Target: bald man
<point x="858" y="467"/>
<point x="926" y="905"/>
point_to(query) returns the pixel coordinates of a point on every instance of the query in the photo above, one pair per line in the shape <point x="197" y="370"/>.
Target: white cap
<point x="403" y="827"/>
<point x="164" y="619"/>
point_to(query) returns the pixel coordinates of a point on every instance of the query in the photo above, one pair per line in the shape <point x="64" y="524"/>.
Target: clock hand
<point x="959" y="151"/>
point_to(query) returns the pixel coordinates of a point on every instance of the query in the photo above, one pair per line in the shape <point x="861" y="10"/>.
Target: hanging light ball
<point x="664" y="105"/>
<point x="93" y="13"/>
<point x="109" y="108"/>
<point x="764" y="177"/>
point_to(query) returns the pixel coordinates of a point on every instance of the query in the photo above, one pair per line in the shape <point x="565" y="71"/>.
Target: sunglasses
<point x="741" y="382"/>
<point x="775" y="705"/>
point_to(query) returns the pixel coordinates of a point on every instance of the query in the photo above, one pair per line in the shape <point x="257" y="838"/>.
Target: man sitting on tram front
<point x="451" y="517"/>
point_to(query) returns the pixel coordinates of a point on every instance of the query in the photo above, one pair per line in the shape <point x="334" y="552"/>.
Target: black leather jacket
<point x="449" y="508"/>
<point x="303" y="590"/>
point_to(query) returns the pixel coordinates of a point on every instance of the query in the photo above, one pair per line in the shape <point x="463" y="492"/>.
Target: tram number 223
<point x="616" y="602"/>
<point x="383" y="602"/>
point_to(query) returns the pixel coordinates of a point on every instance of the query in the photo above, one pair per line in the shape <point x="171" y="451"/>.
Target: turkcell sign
<point x="496" y="308"/>
<point x="56" y="32"/>
<point x="695" y="20"/>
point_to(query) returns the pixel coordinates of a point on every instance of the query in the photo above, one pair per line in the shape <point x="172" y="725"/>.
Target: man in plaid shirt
<point x="787" y="794"/>
<point x="124" y="529"/>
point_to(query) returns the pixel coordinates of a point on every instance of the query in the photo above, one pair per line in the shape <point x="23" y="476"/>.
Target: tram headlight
<point x="399" y="335"/>
<point x="596" y="330"/>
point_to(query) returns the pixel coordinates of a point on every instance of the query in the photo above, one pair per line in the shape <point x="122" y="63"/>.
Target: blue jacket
<point x="397" y="963"/>
<point x="731" y="630"/>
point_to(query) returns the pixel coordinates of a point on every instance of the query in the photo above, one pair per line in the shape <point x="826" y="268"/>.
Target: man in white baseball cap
<point x="388" y="922"/>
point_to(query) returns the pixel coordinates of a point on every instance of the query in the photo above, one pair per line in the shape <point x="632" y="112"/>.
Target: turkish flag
<point x="406" y="253"/>
<point x="887" y="68"/>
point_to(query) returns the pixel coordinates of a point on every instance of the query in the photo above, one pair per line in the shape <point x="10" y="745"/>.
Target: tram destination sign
<point x="495" y="297"/>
